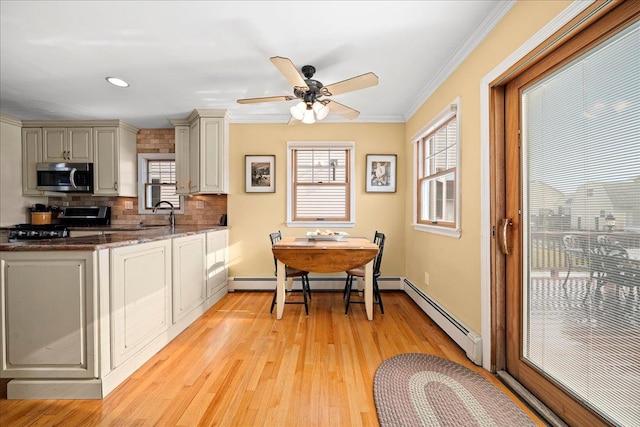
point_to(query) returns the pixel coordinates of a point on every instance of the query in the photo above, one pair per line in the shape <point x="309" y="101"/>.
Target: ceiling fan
<point x="310" y="92"/>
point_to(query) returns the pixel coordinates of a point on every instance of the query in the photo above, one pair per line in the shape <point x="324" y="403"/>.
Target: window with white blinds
<point x="436" y="150"/>
<point x="320" y="182"/>
<point x="581" y="216"/>
<point x="157" y="181"/>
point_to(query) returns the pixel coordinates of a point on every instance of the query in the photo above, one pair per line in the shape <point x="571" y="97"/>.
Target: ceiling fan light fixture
<point x="320" y="109"/>
<point x="308" y="117"/>
<point x="298" y="110"/>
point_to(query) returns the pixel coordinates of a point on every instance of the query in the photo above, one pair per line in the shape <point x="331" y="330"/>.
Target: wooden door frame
<point x="500" y="130"/>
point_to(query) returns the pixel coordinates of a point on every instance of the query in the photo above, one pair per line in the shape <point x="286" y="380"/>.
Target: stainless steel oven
<point x="65" y="177"/>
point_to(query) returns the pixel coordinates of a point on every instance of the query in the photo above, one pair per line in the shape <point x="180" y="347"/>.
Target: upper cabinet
<point x="202" y="152"/>
<point x="31" y="155"/>
<point x="109" y="144"/>
<point x="61" y="144"/>
<point x="115" y="168"/>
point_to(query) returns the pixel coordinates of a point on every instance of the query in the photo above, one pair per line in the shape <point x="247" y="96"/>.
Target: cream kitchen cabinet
<point x="206" y="160"/>
<point x="141" y="296"/>
<point x="115" y="166"/>
<point x="189" y="280"/>
<point x="48" y="301"/>
<point x="217" y="263"/>
<point x="183" y="181"/>
<point x="109" y="144"/>
<point x="31" y="155"/>
<point x="76" y="324"/>
<point x="67" y="144"/>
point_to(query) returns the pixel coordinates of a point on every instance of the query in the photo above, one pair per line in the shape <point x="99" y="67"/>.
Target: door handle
<point x="504" y="243"/>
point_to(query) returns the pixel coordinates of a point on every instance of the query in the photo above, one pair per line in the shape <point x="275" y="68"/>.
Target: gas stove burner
<point x="38" y="232"/>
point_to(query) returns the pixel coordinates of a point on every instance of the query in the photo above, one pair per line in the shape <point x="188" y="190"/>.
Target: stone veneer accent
<point x="153" y="141"/>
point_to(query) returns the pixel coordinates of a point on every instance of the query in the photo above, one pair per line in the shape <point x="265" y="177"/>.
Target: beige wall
<point x="454" y="264"/>
<point x="252" y="216"/>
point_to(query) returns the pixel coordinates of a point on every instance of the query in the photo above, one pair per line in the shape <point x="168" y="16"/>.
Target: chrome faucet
<point x="172" y="218"/>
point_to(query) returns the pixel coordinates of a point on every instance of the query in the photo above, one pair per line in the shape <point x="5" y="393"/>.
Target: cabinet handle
<point x="115" y="185"/>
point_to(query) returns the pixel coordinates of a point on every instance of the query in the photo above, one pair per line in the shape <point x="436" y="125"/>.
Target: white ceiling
<point x="180" y="55"/>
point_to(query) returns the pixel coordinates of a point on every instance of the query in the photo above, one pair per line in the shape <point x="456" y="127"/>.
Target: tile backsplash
<point x="207" y="212"/>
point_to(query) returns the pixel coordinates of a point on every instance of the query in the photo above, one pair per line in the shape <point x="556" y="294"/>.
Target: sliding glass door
<point x="573" y="280"/>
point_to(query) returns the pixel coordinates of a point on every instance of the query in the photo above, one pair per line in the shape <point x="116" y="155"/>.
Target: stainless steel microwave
<point x="65" y="177"/>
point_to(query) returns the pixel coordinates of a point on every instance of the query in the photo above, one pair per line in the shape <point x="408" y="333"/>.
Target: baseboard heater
<point x="467" y="339"/>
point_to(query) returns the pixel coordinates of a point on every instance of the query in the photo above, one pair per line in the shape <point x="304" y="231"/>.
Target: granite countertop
<point x="122" y="236"/>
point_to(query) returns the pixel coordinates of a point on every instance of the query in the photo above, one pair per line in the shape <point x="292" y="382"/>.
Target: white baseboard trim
<point x="469" y="340"/>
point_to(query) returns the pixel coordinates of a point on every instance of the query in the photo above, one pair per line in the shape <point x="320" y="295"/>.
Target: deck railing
<point x="547" y="249"/>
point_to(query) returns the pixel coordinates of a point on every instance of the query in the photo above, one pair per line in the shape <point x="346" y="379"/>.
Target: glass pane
<point x="581" y="299"/>
<point x="157" y="192"/>
<point x="438" y="198"/>
<point x="321" y="166"/>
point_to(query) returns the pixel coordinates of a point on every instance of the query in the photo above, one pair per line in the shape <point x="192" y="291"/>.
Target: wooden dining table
<point x="324" y="256"/>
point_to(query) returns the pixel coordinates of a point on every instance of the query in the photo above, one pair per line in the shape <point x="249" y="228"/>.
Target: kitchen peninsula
<point x="81" y="314"/>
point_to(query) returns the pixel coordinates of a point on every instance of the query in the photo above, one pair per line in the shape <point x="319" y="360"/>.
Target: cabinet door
<point x="217" y="242"/>
<point x="31" y="155"/>
<point x="54" y="144"/>
<point x="105" y="167"/>
<point x="189" y="282"/>
<point x="49" y="315"/>
<point x="141" y="296"/>
<point x="194" y="157"/>
<point x="182" y="160"/>
<point x="79" y="145"/>
<point x="212" y="156"/>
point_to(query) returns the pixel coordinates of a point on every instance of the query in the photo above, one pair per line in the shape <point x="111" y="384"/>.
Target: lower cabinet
<point x="77" y="324"/>
<point x="48" y="302"/>
<point x="217" y="263"/>
<point x="189" y="281"/>
<point x="141" y="296"/>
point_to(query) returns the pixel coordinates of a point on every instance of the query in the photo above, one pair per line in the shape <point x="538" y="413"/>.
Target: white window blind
<point x="581" y="211"/>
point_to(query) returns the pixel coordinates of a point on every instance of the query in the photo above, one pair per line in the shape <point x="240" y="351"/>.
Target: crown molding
<point x="497" y="13"/>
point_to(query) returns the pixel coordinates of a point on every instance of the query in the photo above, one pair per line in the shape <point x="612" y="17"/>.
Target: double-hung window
<point x="320" y="178"/>
<point x="157" y="181"/>
<point x="437" y="189"/>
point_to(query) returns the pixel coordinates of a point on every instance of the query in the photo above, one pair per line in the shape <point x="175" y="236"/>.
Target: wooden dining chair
<point x="379" y="240"/>
<point x="290" y="273"/>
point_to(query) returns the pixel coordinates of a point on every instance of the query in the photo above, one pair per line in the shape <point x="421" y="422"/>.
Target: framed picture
<point x="381" y="173"/>
<point x="260" y="174"/>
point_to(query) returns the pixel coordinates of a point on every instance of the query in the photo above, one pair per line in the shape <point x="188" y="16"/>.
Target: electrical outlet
<point x="128" y="205"/>
<point x="426" y="278"/>
<point x="199" y="204"/>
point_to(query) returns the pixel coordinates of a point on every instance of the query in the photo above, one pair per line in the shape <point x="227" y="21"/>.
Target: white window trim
<point x="142" y="179"/>
<point x="453" y="109"/>
<point x="322" y="145"/>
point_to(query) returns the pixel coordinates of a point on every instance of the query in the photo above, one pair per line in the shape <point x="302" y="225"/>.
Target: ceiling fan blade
<point x="343" y="110"/>
<point x="349" y="85"/>
<point x="290" y="71"/>
<point x="266" y="99"/>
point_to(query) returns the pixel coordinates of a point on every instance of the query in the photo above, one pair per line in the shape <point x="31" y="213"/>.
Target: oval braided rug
<point x="417" y="389"/>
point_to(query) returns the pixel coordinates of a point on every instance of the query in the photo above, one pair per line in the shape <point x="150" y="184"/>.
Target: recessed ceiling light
<point x="117" y="82"/>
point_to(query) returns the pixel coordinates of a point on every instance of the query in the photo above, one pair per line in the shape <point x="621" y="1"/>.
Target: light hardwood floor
<point x="239" y="366"/>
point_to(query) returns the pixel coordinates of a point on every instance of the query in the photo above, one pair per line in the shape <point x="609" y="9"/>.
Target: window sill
<point x="320" y="224"/>
<point x="442" y="231"/>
